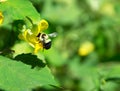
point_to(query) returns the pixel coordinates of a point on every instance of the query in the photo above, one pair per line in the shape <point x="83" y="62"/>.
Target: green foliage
<point x="22" y="72"/>
<point x="18" y="10"/>
<point x="16" y="76"/>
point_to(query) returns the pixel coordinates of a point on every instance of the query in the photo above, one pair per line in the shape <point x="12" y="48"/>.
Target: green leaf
<point x="18" y="9"/>
<point x="17" y="76"/>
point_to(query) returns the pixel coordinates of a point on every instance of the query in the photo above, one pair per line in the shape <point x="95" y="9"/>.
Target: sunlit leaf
<point x="18" y="9"/>
<point x="17" y="76"/>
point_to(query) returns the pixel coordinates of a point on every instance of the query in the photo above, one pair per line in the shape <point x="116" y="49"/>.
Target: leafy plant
<point x="25" y="71"/>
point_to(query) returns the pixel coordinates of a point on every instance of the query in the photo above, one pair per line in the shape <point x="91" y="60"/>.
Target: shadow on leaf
<point x="30" y="59"/>
<point x="2" y="90"/>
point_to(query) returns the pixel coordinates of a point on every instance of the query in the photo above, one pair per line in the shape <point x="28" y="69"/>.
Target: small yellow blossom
<point x="30" y="35"/>
<point x="108" y="9"/>
<point x="1" y="17"/>
<point x="86" y="48"/>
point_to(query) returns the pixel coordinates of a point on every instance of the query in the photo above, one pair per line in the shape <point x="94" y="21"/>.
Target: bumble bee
<point x="45" y="39"/>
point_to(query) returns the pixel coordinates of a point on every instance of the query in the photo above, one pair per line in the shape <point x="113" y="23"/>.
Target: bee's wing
<point x="52" y="34"/>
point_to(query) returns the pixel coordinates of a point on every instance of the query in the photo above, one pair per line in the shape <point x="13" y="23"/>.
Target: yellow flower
<point x="1" y="17"/>
<point x="30" y="35"/>
<point x="108" y="9"/>
<point x="85" y="48"/>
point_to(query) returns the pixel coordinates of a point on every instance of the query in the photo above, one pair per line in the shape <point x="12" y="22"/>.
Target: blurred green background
<point x="85" y="56"/>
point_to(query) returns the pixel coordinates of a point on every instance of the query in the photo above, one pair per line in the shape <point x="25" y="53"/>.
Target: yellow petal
<point x="1" y="17"/>
<point x="43" y="25"/>
<point x="38" y="47"/>
<point x="32" y="39"/>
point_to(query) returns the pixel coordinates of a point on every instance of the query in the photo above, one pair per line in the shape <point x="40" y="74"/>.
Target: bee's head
<point x="47" y="44"/>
